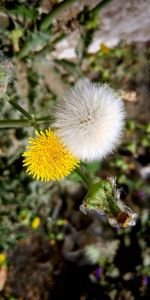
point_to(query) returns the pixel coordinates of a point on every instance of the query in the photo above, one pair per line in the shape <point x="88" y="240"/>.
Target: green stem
<point x="21" y="109"/>
<point x="21" y="123"/>
<point x="18" y="107"/>
<point x="55" y="13"/>
<point x="83" y="176"/>
<point x="98" y="7"/>
<point x="30" y="118"/>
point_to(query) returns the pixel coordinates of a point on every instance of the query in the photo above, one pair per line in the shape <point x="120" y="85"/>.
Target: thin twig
<point x="55" y="13"/>
<point x="98" y="7"/>
<point x="21" y="109"/>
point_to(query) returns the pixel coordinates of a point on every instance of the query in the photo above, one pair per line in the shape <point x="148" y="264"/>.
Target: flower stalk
<point x="98" y="7"/>
<point x="30" y="120"/>
<point x="24" y="112"/>
<point x="16" y="123"/>
<point x="85" y="177"/>
<point x="55" y="13"/>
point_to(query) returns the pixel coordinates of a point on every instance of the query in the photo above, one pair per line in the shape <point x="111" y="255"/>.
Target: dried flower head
<point x="90" y="120"/>
<point x="104" y="198"/>
<point x="47" y="158"/>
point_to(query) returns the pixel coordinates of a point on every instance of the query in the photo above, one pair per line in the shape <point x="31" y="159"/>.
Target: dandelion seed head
<point x="90" y="120"/>
<point x="47" y="158"/>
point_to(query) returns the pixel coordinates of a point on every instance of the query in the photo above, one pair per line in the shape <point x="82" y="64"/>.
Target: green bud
<point x="16" y="34"/>
<point x="103" y="197"/>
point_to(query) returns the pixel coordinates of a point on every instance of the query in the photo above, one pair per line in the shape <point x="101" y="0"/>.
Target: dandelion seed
<point x="47" y="158"/>
<point x="90" y="120"/>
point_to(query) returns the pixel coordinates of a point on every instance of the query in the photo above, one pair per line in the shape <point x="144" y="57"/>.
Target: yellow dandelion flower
<point x="35" y="223"/>
<point x="47" y="158"/>
<point x="2" y="258"/>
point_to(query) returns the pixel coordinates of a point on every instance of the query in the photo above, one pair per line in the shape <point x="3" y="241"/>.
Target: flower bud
<point x="103" y="197"/>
